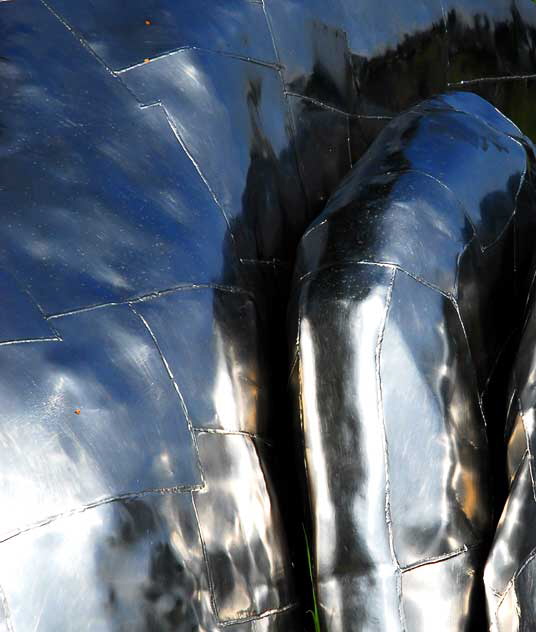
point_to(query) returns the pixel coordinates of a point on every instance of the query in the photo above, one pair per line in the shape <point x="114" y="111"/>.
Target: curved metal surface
<point x="510" y="572"/>
<point x="399" y="287"/>
<point x="159" y="163"/>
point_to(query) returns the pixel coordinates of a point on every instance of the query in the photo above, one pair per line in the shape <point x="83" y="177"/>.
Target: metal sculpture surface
<point x="399" y="284"/>
<point x="160" y="162"/>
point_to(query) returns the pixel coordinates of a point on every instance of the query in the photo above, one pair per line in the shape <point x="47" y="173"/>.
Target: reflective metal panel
<point x="159" y="162"/>
<point x="406" y="289"/>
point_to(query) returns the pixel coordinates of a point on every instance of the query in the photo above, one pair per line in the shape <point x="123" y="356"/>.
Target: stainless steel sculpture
<point x="399" y="327"/>
<point x="160" y="162"/>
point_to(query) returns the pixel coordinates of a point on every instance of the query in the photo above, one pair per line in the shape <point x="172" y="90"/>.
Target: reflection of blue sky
<point x="110" y="187"/>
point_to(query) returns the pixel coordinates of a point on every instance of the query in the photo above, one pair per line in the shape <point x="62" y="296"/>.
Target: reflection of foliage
<point x="314" y="611"/>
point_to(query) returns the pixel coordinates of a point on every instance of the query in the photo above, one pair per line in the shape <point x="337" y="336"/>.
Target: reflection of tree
<point x="145" y="582"/>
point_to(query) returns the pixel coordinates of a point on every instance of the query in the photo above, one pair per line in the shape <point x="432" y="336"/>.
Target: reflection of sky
<point x="111" y="188"/>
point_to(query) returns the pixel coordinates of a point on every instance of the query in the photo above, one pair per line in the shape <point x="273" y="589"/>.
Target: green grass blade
<point x="314" y="612"/>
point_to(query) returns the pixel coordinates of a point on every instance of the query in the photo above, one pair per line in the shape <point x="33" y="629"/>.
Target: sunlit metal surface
<point x="160" y="161"/>
<point x="398" y="329"/>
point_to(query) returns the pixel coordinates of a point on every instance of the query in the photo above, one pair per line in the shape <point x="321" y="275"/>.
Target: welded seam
<point x="530" y="293"/>
<point x="293" y="363"/>
<point x="177" y="390"/>
<point x="210" y="578"/>
<point x="468" y="82"/>
<point x="321" y="104"/>
<point x="258" y="617"/>
<point x="327" y="106"/>
<point x="156" y="491"/>
<point x="239" y="433"/>
<point x="232" y="289"/>
<point x="7" y="611"/>
<point x="441" y="558"/>
<point x="474" y="239"/>
<point x="508" y="428"/>
<point x="29" y="340"/>
<point x="381" y="264"/>
<point x="180" y="49"/>
<point x="387" y="508"/>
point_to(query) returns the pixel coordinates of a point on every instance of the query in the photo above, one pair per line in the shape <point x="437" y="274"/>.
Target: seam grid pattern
<point x="117" y="76"/>
<point x="131" y="302"/>
<point x="239" y="433"/>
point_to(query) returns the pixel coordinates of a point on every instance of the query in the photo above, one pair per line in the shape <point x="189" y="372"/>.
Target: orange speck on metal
<point x="148" y="22"/>
<point x="77" y="411"/>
